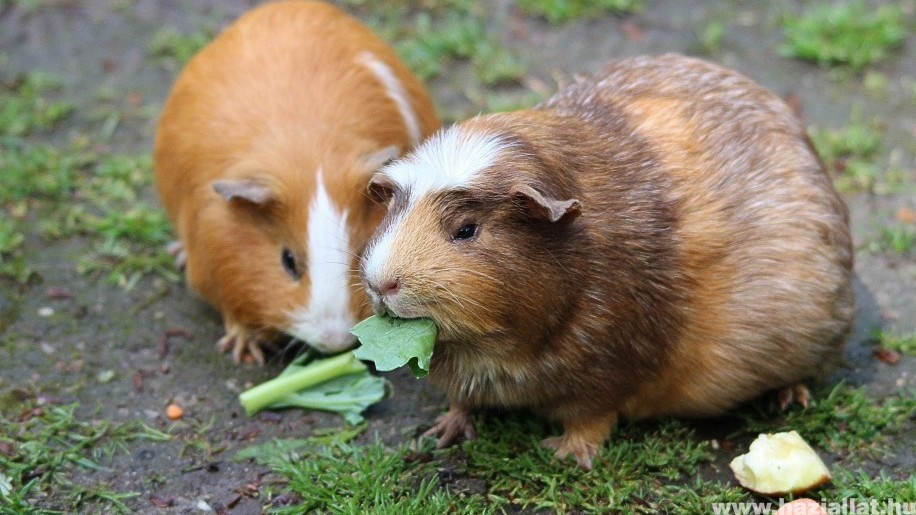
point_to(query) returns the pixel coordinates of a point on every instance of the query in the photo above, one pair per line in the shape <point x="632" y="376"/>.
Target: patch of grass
<point x="40" y="172"/>
<point x="369" y="479"/>
<point x="646" y="467"/>
<point x="41" y="448"/>
<point x="174" y="49"/>
<point x="518" y="472"/>
<point x="25" y="107"/>
<point x="10" y="237"/>
<point x="851" y="153"/>
<point x="561" y="11"/>
<point x="904" y="344"/>
<point x="710" y="38"/>
<point x="433" y="36"/>
<point x="859" y="484"/>
<point x="851" y="33"/>
<point x="896" y="238"/>
<point x="843" y="420"/>
<point x="458" y="35"/>
<point x="72" y="189"/>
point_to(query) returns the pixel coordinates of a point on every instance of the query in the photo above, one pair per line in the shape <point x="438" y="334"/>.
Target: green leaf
<point x="393" y="342"/>
<point x="298" y="377"/>
<point x="347" y="395"/>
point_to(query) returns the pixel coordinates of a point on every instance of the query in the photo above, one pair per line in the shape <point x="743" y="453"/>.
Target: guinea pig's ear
<point x="249" y="190"/>
<point x="380" y="158"/>
<point x="380" y="188"/>
<point x="544" y="208"/>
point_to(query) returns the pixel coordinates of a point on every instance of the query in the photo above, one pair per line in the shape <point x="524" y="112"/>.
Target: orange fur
<point x="276" y="96"/>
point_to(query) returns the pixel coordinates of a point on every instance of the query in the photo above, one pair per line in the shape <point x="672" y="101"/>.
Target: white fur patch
<point x="376" y="256"/>
<point x="448" y="159"/>
<point x="325" y="324"/>
<point x="395" y="91"/>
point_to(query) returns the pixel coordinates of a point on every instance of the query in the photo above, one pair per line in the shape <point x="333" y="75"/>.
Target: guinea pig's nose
<point x="391" y="287"/>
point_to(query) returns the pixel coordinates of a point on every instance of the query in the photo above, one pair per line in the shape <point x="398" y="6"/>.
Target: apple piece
<point x="780" y="463"/>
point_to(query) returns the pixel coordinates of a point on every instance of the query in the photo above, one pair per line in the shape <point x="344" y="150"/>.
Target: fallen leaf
<point x="891" y="357"/>
<point x="161" y="502"/>
<point x="57" y="293"/>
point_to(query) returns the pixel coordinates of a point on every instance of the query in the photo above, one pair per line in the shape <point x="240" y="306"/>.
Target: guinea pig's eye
<point x="289" y="264"/>
<point x="466" y="232"/>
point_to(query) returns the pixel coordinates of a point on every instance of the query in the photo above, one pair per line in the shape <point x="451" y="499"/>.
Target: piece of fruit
<point x="174" y="412"/>
<point x="780" y="463"/>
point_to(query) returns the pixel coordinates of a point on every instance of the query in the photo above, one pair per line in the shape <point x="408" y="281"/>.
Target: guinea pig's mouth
<point x="394" y="309"/>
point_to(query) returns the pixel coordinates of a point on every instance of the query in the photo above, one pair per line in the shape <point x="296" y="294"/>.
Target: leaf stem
<point x="257" y="398"/>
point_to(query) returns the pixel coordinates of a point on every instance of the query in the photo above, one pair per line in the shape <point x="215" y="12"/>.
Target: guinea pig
<point x="657" y="239"/>
<point x="262" y="156"/>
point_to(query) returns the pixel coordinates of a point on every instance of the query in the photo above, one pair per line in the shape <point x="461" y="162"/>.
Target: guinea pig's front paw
<point x="243" y="343"/>
<point x="456" y="422"/>
<point x="582" y="438"/>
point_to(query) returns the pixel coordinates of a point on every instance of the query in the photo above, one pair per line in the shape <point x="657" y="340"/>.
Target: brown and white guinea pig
<point x="657" y="239"/>
<point x="262" y="158"/>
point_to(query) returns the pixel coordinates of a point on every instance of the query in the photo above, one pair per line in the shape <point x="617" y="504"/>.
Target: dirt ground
<point x="99" y="45"/>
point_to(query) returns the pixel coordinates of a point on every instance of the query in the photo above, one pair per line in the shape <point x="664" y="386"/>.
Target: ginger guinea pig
<point x="657" y="239"/>
<point x="262" y="156"/>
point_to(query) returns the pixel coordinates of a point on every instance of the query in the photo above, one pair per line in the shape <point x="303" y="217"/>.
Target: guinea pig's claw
<point x="176" y="250"/>
<point x="565" y="445"/>
<point x="449" y="427"/>
<point x="241" y="347"/>
<point x="797" y="393"/>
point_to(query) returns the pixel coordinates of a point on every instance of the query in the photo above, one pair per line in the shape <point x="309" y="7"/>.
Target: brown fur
<point x="711" y="260"/>
<point x="273" y="98"/>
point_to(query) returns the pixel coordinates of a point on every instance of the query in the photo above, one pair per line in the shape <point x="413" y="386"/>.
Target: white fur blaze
<point x="450" y="158"/>
<point x="374" y="266"/>
<point x="395" y="91"/>
<point x="325" y="324"/>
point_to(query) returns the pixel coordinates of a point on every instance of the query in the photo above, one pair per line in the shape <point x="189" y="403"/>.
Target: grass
<point x="562" y="11"/>
<point x="851" y="153"/>
<point x="895" y="238"/>
<point x="842" y="420"/>
<point x="709" y="40"/>
<point x="435" y="38"/>
<point x="173" y="49"/>
<point x="42" y="446"/>
<point x="851" y="33"/>
<point x="72" y="189"/>
<point x="904" y="344"/>
<point x="647" y="467"/>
